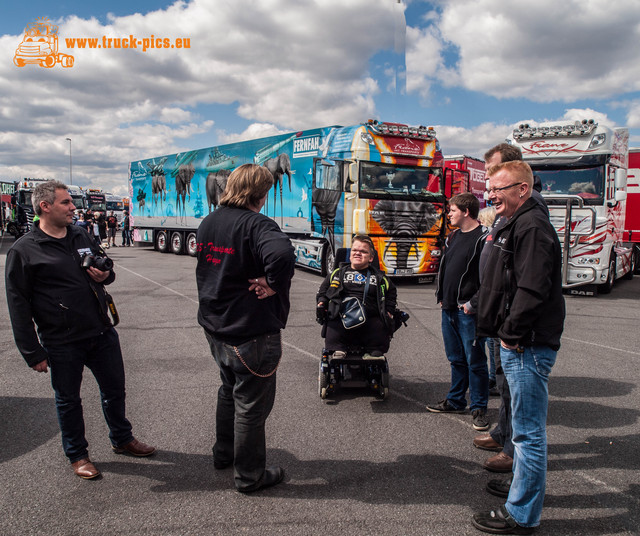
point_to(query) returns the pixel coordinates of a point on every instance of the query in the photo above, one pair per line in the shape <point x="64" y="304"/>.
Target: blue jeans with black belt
<point x="467" y="358"/>
<point x="102" y="356"/>
<point x="527" y="371"/>
<point x="245" y="400"/>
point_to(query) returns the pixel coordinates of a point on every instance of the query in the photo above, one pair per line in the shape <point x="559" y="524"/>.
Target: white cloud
<point x="291" y="64"/>
<point x="545" y="50"/>
<point x="253" y="131"/>
<point x="423" y="59"/>
<point x="471" y="141"/>
<point x="633" y="114"/>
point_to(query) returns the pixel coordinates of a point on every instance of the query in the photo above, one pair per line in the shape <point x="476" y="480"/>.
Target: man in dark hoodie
<point x="244" y="271"/>
<point x="520" y="301"/>
<point x="458" y="283"/>
<point x="47" y="284"/>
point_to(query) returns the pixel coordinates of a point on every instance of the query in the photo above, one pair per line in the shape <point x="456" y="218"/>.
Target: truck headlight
<point x="588" y="260"/>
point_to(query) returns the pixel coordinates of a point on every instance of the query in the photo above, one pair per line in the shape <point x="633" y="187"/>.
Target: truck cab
<point x="583" y="170"/>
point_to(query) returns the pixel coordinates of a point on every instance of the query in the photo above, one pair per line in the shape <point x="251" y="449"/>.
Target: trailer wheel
<point x="328" y="260"/>
<point x="177" y="242"/>
<point x="192" y="244"/>
<point x="162" y="243"/>
<point x="611" y="278"/>
<point x="636" y="256"/>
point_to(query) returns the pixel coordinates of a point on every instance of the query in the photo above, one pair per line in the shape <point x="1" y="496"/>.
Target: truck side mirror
<point x="621" y="180"/>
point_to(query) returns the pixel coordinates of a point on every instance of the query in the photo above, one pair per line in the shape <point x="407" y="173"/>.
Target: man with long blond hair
<point x="244" y="271"/>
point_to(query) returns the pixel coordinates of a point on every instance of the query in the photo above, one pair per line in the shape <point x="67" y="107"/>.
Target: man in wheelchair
<point x="356" y="304"/>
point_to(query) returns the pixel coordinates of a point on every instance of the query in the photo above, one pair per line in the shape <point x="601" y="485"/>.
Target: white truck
<point x="583" y="169"/>
<point x="115" y="204"/>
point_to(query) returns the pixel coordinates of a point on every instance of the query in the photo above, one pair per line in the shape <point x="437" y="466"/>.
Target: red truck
<point x="465" y="174"/>
<point x="632" y="218"/>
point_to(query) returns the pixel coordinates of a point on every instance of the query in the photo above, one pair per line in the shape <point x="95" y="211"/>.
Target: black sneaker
<point x="444" y="407"/>
<point x="499" y="487"/>
<point x="480" y="419"/>
<point x="499" y="521"/>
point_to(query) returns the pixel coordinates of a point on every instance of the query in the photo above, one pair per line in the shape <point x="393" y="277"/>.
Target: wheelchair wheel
<point x="323" y="382"/>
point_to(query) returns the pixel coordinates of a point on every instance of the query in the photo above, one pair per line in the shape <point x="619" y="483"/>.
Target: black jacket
<point x="470" y="281"/>
<point x="45" y="283"/>
<point x="330" y="293"/>
<point x="520" y="299"/>
<point x="235" y="245"/>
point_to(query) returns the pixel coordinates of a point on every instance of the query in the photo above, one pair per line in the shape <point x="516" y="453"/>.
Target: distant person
<point x="112" y="226"/>
<point x="48" y="282"/>
<point x="486" y="218"/>
<point x="126" y="229"/>
<point x="95" y="229"/>
<point x="458" y="284"/>
<point x="101" y="222"/>
<point x="80" y="222"/>
<point x="244" y="270"/>
<point x="521" y="303"/>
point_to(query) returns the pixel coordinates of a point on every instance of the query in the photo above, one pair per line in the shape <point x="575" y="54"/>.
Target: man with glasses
<point x="520" y="302"/>
<point x="499" y="439"/>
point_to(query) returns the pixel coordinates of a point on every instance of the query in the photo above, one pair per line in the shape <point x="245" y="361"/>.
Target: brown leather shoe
<point x="500" y="463"/>
<point x="85" y="469"/>
<point x="486" y="442"/>
<point x="135" y="448"/>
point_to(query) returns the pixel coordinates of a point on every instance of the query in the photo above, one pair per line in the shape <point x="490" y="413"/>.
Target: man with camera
<point x="55" y="277"/>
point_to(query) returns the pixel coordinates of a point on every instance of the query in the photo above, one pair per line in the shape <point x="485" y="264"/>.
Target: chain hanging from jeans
<point x="235" y="349"/>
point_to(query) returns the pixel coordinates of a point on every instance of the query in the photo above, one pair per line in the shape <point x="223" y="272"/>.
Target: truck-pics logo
<point x="40" y="45"/>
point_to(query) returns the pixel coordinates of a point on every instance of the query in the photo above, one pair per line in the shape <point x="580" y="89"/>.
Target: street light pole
<point x="70" y="176"/>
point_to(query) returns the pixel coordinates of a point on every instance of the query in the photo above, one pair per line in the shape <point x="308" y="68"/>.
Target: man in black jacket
<point x="244" y="271"/>
<point x="521" y="302"/>
<point x="47" y="284"/>
<point x="458" y="283"/>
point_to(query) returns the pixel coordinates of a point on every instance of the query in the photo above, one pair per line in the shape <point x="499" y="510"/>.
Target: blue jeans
<point x="245" y="400"/>
<point x="488" y="343"/>
<point x="467" y="358"/>
<point x="102" y="356"/>
<point x="527" y="371"/>
<point x="126" y="237"/>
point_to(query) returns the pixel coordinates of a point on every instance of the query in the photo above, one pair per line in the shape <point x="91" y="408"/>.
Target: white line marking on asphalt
<point x="156" y="283"/>
<point x="402" y="301"/>
<point x="600" y="345"/>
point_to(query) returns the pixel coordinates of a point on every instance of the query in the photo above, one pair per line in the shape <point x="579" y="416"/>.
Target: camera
<point x="97" y="261"/>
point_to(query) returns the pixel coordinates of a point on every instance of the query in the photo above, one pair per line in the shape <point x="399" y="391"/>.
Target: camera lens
<point x="104" y="263"/>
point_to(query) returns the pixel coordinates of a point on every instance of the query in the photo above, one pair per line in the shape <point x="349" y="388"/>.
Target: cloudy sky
<point x="258" y="67"/>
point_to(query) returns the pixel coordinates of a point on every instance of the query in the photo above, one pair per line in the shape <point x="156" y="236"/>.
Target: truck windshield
<point x="587" y="183"/>
<point x="114" y="205"/>
<point x="385" y="181"/>
<point x="96" y="202"/>
<point x="78" y="202"/>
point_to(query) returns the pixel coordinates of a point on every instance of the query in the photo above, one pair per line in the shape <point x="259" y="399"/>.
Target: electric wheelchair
<point x="355" y="368"/>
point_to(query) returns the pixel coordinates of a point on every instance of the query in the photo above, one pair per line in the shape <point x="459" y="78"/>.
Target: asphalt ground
<point x="355" y="465"/>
